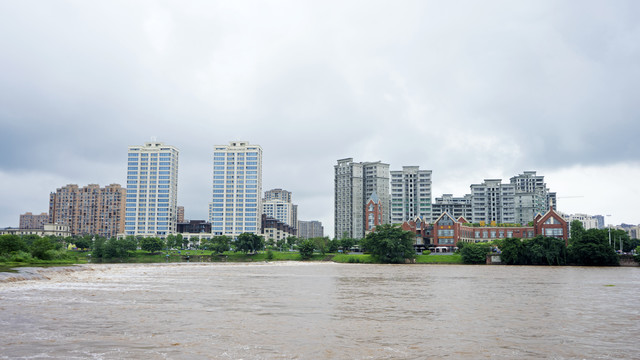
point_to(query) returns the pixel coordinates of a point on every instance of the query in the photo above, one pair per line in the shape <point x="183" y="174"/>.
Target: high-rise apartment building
<point x="455" y="206"/>
<point x="31" y="221"/>
<point x="277" y="205"/>
<point x="89" y="210"/>
<point x="236" y="205"/>
<point x="152" y="190"/>
<point x="531" y="196"/>
<point x="310" y="229"/>
<point x="180" y="218"/>
<point x="410" y="194"/>
<point x="493" y="201"/>
<point x="277" y="194"/>
<point x="354" y="184"/>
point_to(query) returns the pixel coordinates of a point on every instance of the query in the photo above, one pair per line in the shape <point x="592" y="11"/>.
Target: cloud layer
<point x="469" y="90"/>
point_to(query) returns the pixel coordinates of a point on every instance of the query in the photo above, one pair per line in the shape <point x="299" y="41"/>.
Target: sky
<point x="471" y="90"/>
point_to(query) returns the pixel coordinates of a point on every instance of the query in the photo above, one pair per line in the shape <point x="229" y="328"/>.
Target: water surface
<point x="292" y="310"/>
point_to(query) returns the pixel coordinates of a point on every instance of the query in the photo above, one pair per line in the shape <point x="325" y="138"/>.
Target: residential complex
<point x="31" y="221"/>
<point x="273" y="229"/>
<point x="410" y="194"/>
<point x="152" y="190"/>
<point x="310" y="229"/>
<point x="237" y="187"/>
<point x="354" y="184"/>
<point x="446" y="232"/>
<point x="587" y="221"/>
<point x="88" y="210"/>
<point x="493" y="202"/>
<point x="277" y="205"/>
<point x="455" y="206"/>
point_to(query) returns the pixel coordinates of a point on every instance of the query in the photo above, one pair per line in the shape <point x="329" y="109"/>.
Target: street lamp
<point x="609" y="231"/>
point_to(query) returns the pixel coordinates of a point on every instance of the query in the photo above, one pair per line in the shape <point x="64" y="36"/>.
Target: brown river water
<point x="293" y="310"/>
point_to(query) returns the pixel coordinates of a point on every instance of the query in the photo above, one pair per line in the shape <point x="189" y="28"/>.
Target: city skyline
<point x="468" y="91"/>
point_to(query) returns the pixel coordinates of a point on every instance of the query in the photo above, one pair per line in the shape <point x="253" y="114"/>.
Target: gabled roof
<point x="444" y="214"/>
<point x="374" y="197"/>
<point x="462" y="219"/>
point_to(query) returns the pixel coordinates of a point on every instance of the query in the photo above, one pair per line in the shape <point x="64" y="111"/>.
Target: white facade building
<point x="279" y="210"/>
<point x="236" y="205"/>
<point x="493" y="201"/>
<point x="410" y="194"/>
<point x="152" y="190"/>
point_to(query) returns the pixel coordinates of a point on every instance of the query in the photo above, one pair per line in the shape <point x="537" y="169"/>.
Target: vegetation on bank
<point x="388" y="244"/>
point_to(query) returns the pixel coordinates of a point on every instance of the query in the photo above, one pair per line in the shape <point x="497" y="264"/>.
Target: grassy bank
<point x="140" y="256"/>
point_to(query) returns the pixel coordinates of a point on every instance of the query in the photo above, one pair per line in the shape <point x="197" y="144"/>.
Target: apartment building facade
<point x="410" y="194"/>
<point x="31" y="221"/>
<point x="89" y="209"/>
<point x="310" y="229"/>
<point x="236" y="205"/>
<point x="152" y="190"/>
<point x="353" y="185"/>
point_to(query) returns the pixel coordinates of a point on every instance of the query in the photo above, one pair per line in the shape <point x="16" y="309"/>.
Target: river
<point x="295" y="310"/>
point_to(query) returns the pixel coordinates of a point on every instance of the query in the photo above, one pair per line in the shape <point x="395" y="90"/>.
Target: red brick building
<point x="445" y="233"/>
<point x="372" y="213"/>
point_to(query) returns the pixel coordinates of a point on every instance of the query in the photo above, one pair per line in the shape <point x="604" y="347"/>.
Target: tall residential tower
<point x="354" y="185"/>
<point x="410" y="194"/>
<point x="236" y="205"/>
<point x="152" y="190"/>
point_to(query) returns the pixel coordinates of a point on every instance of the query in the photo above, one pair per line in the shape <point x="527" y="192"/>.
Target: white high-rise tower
<point x="152" y="190"/>
<point x="236" y="205"/>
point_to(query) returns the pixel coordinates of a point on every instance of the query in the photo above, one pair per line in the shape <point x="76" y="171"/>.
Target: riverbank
<point x="204" y="256"/>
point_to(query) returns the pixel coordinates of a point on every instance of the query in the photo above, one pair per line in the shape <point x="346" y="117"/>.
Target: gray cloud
<point x="470" y="90"/>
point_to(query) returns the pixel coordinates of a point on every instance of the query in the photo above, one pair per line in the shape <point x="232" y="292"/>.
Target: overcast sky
<point x="471" y="90"/>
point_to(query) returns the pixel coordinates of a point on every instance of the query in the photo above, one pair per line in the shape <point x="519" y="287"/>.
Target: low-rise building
<point x="273" y="229"/>
<point x="56" y="230"/>
<point x="446" y="232"/>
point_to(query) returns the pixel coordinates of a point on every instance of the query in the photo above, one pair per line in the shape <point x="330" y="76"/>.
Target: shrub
<point x="475" y="253"/>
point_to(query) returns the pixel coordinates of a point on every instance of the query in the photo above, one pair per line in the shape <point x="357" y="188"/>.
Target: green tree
<point x="346" y="243"/>
<point x="593" y="249"/>
<point x="306" y="248"/>
<point x="542" y="250"/>
<point x="170" y="241"/>
<point x="116" y="248"/>
<point x="40" y="248"/>
<point x="220" y="244"/>
<point x="390" y="244"/>
<point x="512" y="251"/>
<point x="321" y="244"/>
<point x="475" y="253"/>
<point x="577" y="230"/>
<point x="130" y="243"/>
<point x="248" y="242"/>
<point x="292" y="240"/>
<point x="333" y="245"/>
<point x="82" y="242"/>
<point x="151" y="244"/>
<point x="280" y="244"/>
<point x="10" y="243"/>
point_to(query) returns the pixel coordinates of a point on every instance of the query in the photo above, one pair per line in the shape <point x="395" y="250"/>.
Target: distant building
<point x="493" y="202"/>
<point x="446" y="232"/>
<point x="152" y="190"/>
<point x="272" y="229"/>
<point x="31" y="221"/>
<point x="455" y="206"/>
<point x="531" y="196"/>
<point x="354" y="183"/>
<point x="588" y="222"/>
<point x="56" y="230"/>
<point x="236" y="205"/>
<point x="310" y="229"/>
<point x="277" y="204"/>
<point x="89" y="210"/>
<point x="194" y="227"/>
<point x="599" y="220"/>
<point x="277" y="194"/>
<point x="373" y="213"/>
<point x="180" y="214"/>
<point x="410" y="194"/>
